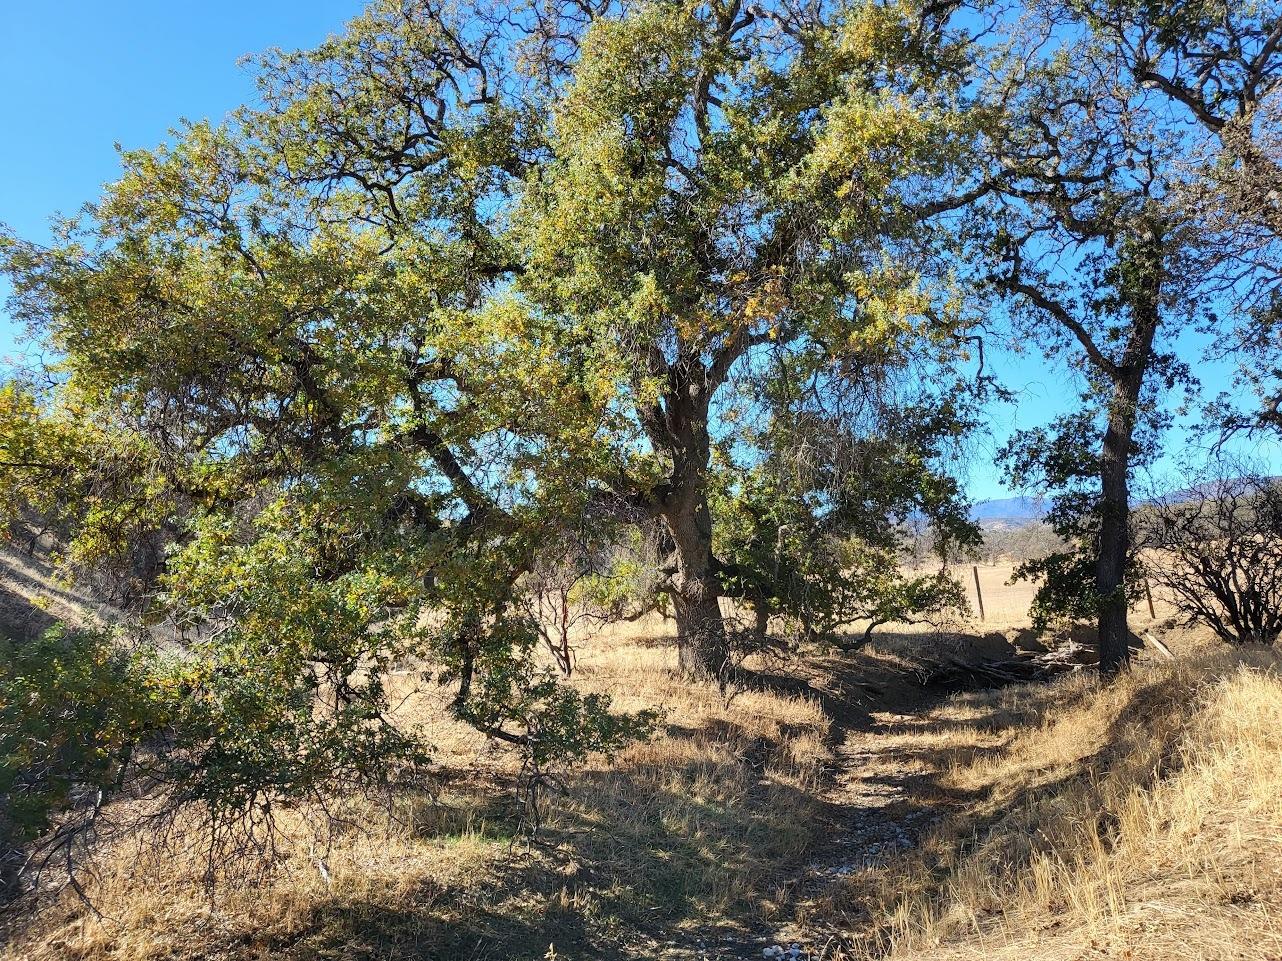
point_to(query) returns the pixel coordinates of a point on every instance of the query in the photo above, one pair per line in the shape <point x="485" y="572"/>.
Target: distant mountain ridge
<point x="1021" y="510"/>
<point x="1009" y="510"/>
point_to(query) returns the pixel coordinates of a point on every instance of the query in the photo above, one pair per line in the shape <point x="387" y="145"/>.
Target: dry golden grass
<point x="1007" y="603"/>
<point x="686" y="831"/>
<point x="1138" y="820"/>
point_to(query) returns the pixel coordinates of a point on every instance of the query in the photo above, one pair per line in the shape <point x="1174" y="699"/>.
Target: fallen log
<point x="1022" y="668"/>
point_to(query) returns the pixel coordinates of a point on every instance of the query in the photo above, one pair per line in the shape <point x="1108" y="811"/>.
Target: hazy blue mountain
<point x="1009" y="509"/>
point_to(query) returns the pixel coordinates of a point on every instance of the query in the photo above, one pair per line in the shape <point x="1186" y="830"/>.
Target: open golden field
<point x="1006" y="605"/>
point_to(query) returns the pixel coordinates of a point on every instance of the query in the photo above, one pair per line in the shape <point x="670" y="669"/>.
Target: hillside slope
<point x="35" y="595"/>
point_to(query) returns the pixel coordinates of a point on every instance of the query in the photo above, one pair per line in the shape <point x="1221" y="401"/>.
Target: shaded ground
<point x="33" y="597"/>
<point x="887" y="787"/>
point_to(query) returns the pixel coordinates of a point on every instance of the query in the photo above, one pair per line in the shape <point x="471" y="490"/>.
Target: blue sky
<point x="82" y="75"/>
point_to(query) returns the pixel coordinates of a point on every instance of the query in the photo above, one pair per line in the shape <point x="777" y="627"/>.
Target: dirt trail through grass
<point x="830" y="801"/>
<point x="883" y="794"/>
<point x="881" y="797"/>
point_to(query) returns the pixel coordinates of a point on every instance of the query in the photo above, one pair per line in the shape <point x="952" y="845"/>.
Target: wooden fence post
<point x="979" y="596"/>
<point x="1148" y="596"/>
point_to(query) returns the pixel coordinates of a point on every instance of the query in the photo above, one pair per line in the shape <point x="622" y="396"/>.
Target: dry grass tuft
<point x="1139" y="820"/>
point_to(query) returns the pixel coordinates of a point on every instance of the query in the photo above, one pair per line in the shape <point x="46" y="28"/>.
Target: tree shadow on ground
<point x="854" y="685"/>
<point x="33" y="596"/>
<point x="457" y="928"/>
<point x="698" y="854"/>
<point x="641" y="860"/>
<point x="990" y="817"/>
<point x="648" y="860"/>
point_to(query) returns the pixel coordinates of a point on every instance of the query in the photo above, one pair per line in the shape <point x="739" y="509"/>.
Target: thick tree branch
<point x="1064" y="316"/>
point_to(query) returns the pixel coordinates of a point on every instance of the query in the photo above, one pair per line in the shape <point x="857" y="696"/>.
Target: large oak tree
<point x="1103" y="239"/>
<point x="468" y="272"/>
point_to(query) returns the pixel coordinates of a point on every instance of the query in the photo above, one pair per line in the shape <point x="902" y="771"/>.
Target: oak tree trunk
<point x="694" y="584"/>
<point x="1114" y="544"/>
<point x="702" y="648"/>
<point x="701" y="633"/>
<point x="1143" y="273"/>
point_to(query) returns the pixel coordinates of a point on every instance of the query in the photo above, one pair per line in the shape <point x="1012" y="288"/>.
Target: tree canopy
<point x="470" y="279"/>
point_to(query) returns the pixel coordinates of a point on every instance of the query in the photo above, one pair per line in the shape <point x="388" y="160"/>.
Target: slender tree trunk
<point x="678" y="428"/>
<point x="1142" y="270"/>
<point x="1114" y="542"/>
<point x="761" y="624"/>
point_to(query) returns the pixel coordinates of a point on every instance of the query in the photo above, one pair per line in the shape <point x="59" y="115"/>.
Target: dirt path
<point x="882" y="798"/>
<point x="877" y="798"/>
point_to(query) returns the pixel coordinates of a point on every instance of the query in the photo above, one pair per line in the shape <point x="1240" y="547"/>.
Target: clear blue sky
<point x="82" y="75"/>
<point x="78" y="77"/>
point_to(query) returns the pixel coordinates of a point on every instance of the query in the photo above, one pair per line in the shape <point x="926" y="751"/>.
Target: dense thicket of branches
<point x="1216" y="550"/>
